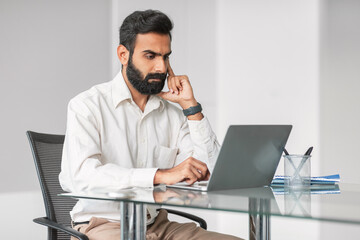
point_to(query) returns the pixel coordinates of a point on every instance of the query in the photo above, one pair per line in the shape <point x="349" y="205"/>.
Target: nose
<point x="160" y="66"/>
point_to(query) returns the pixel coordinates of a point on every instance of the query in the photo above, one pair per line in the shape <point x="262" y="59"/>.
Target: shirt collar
<point x="153" y="103"/>
<point x="120" y="92"/>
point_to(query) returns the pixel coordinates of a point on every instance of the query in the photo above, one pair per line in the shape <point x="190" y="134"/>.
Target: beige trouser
<point x="162" y="228"/>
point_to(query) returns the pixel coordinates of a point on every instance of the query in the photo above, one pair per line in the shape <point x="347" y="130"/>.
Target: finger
<point x="184" y="82"/>
<point x="178" y="84"/>
<point x="170" y="71"/>
<point x="172" y="84"/>
<point x="200" y="166"/>
<point x="207" y="177"/>
<point x="190" y="181"/>
<point x="191" y="178"/>
<point x="203" y="174"/>
<point x="167" y="96"/>
<point x="169" y="82"/>
<point x="191" y="174"/>
<point x="196" y="173"/>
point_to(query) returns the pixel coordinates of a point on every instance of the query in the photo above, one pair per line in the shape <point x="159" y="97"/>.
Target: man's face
<point x="147" y="65"/>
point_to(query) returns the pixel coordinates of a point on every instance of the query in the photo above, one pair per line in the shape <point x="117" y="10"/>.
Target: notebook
<point x="248" y="158"/>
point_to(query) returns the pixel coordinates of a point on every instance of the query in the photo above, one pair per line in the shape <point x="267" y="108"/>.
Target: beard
<point x="142" y="85"/>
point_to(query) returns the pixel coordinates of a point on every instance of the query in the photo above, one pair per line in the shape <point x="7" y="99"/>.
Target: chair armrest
<point x="197" y="219"/>
<point x="46" y="222"/>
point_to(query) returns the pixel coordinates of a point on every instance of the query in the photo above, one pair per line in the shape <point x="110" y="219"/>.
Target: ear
<point x="123" y="54"/>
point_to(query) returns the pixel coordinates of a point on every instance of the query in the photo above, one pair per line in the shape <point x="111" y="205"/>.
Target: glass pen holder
<point x="297" y="171"/>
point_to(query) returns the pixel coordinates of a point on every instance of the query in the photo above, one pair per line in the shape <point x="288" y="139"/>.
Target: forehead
<point x="156" y="42"/>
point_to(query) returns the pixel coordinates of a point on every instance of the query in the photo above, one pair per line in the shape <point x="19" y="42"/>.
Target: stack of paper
<point x="327" y="180"/>
<point x="319" y="185"/>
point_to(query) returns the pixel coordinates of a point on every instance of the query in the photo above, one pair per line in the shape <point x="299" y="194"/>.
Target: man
<point x="125" y="133"/>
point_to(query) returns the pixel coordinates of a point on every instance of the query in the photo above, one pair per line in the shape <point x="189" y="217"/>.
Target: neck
<point x="139" y="99"/>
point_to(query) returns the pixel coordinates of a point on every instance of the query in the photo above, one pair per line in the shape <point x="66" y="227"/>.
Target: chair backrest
<point x="47" y="153"/>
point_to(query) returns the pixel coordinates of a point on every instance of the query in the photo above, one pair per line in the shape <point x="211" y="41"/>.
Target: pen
<point x="286" y="152"/>
<point x="307" y="153"/>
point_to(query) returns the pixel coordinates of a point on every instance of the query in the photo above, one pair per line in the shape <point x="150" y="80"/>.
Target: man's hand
<point x="190" y="170"/>
<point x="180" y="90"/>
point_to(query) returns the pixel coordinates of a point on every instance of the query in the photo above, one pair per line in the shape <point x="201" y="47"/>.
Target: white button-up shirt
<point x="111" y="143"/>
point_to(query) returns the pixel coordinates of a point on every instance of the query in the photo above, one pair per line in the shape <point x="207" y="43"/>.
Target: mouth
<point x="155" y="80"/>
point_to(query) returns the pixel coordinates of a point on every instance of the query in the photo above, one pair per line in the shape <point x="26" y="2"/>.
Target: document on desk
<point x="314" y="189"/>
<point x="319" y="185"/>
<point x="323" y="180"/>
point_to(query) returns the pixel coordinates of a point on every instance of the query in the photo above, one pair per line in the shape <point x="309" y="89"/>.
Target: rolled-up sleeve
<point x="197" y="139"/>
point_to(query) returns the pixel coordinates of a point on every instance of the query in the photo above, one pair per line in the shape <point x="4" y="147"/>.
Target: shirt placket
<point x="142" y="143"/>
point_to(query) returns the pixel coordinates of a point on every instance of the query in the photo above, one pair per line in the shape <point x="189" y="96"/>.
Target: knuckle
<point x="185" y="77"/>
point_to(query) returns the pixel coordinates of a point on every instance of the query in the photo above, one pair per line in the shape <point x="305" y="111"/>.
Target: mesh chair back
<point x="47" y="153"/>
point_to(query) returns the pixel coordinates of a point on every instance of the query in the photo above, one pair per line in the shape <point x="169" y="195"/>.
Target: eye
<point x="166" y="57"/>
<point x="150" y="56"/>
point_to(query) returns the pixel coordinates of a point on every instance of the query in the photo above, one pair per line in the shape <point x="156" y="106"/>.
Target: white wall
<point x="267" y="65"/>
<point x="49" y="52"/>
<point x="340" y="85"/>
<point x="267" y="73"/>
<point x="339" y="99"/>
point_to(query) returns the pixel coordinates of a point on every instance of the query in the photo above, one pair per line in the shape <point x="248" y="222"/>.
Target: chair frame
<point x="50" y="220"/>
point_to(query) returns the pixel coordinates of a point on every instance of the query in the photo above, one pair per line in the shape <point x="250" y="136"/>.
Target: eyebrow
<point x="157" y="54"/>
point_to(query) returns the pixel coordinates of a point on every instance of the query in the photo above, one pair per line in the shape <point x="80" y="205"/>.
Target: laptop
<point x="248" y="158"/>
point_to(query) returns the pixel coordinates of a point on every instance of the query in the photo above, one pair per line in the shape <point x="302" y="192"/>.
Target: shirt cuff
<point x="200" y="131"/>
<point x="143" y="177"/>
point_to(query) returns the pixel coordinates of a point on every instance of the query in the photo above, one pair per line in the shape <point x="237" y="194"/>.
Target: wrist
<point x="193" y="112"/>
<point x="196" y="117"/>
<point x="158" y="178"/>
<point x="188" y="104"/>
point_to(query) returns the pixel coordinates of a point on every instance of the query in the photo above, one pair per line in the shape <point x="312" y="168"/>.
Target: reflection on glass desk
<point x="336" y="205"/>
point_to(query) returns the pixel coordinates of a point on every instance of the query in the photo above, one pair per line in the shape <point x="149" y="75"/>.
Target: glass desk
<point x="338" y="204"/>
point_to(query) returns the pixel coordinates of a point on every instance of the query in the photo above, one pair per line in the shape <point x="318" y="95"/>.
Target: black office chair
<point x="47" y="153"/>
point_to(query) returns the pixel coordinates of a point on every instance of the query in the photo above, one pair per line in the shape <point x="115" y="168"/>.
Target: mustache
<point x="161" y="76"/>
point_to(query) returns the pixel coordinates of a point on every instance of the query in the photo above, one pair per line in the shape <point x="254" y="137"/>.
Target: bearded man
<point x="125" y="133"/>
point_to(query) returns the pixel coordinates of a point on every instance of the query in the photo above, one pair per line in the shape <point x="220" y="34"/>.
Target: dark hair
<point x="143" y="22"/>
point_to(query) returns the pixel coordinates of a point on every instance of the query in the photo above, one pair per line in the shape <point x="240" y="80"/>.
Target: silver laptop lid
<point x="249" y="156"/>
